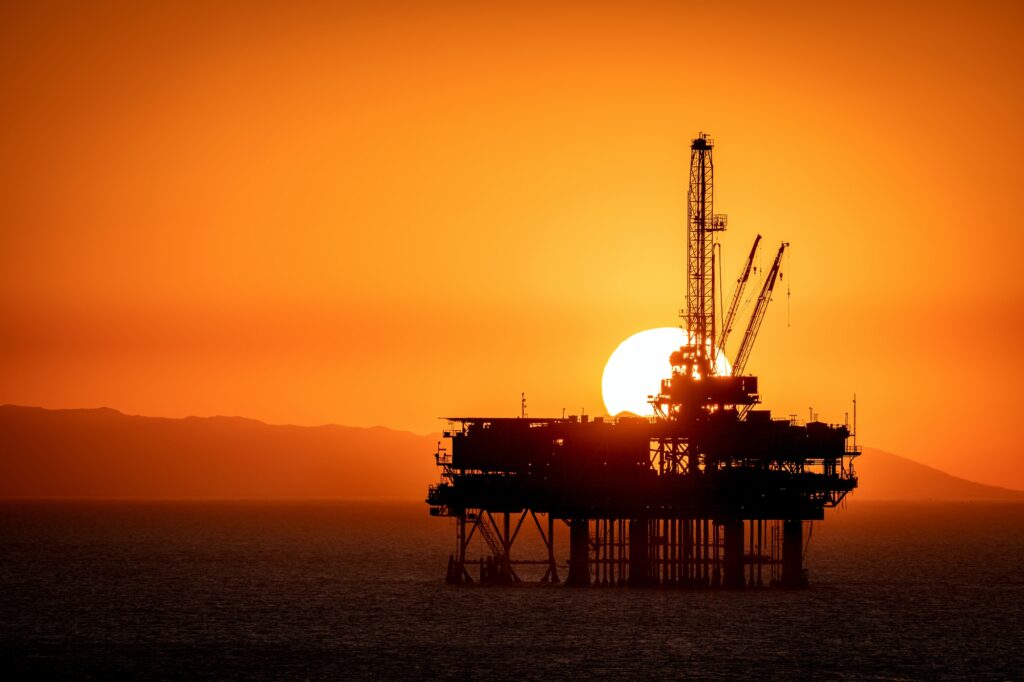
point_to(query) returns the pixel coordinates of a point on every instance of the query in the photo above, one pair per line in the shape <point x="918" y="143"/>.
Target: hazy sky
<point x="381" y="213"/>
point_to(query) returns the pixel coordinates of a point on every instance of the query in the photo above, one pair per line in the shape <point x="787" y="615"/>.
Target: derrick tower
<point x="702" y="224"/>
<point x="695" y="388"/>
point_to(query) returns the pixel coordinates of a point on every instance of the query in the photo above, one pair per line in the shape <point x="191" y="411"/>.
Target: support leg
<point x="639" y="560"/>
<point x="732" y="557"/>
<point x="792" y="554"/>
<point x="579" y="553"/>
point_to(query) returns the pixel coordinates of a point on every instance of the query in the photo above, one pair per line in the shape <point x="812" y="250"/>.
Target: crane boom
<point x="743" y="354"/>
<point x="734" y="305"/>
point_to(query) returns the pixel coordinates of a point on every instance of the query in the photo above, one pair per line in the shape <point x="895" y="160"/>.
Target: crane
<point x="734" y="305"/>
<point x="743" y="354"/>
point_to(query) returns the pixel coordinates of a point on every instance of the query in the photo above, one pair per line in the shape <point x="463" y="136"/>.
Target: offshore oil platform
<point x="708" y="492"/>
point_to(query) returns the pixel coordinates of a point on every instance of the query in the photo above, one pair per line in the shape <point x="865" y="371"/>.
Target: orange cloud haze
<point x="379" y="213"/>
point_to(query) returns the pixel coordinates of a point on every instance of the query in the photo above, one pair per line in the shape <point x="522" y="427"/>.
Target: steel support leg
<point x="579" y="553"/>
<point x="732" y="558"/>
<point x="792" y="554"/>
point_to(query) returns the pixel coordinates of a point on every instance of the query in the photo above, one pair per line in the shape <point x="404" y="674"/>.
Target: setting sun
<point x="636" y="367"/>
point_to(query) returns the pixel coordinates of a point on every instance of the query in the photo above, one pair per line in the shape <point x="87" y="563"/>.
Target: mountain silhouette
<point x="885" y="476"/>
<point x="104" y="454"/>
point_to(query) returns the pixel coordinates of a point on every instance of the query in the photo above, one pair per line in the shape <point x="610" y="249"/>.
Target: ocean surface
<point x="356" y="590"/>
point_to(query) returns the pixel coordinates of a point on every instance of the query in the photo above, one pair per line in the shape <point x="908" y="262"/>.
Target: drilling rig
<point x="707" y="493"/>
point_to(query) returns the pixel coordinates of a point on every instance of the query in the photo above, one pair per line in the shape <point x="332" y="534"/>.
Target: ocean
<point x="356" y="590"/>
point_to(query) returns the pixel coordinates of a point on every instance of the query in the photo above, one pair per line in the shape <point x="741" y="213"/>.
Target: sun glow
<point x="636" y="367"/>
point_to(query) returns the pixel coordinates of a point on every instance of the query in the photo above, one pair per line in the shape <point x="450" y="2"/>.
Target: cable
<point x="789" y="265"/>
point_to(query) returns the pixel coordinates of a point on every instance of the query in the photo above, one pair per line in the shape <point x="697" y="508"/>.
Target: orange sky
<point x="385" y="212"/>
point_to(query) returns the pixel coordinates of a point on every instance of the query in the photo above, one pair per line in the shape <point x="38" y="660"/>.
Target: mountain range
<point x="104" y="454"/>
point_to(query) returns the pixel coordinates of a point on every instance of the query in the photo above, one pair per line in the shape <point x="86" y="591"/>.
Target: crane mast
<point x="734" y="305"/>
<point x="743" y="354"/>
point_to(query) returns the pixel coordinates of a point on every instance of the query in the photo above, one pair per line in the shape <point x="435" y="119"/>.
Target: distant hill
<point x="885" y="476"/>
<point x="102" y="453"/>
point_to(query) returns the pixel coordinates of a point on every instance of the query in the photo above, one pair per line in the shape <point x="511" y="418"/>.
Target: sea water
<point x="356" y="590"/>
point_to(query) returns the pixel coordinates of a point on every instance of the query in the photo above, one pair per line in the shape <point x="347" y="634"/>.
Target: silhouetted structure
<point x="708" y="493"/>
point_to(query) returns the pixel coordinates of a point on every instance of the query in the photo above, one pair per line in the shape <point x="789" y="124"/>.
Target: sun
<point x="636" y="367"/>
